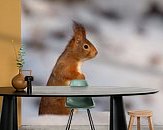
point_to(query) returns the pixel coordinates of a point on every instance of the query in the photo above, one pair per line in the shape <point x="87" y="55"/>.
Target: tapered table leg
<point x="117" y="114"/>
<point x="9" y="113"/>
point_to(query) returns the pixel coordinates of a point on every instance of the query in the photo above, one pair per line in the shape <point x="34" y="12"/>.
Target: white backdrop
<point x="127" y="34"/>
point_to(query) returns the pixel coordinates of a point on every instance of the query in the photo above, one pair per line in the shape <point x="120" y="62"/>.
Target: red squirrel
<point x="67" y="68"/>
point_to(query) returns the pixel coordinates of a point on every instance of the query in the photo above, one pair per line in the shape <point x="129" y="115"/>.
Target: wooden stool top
<point x="140" y="113"/>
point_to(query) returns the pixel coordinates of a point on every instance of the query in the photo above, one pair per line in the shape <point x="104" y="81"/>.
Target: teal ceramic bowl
<point x="78" y="83"/>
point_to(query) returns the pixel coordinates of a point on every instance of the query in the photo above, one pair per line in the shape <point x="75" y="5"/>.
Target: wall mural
<point x="128" y="39"/>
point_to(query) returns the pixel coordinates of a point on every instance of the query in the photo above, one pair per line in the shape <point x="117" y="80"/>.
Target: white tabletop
<point x="93" y="91"/>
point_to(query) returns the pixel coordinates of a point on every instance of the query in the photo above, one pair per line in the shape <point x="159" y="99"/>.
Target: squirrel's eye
<point x="86" y="46"/>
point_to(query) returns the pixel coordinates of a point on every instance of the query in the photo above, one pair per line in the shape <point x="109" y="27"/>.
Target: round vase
<point x="18" y="82"/>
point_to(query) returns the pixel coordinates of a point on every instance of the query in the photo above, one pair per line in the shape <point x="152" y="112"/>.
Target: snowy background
<point x="127" y="33"/>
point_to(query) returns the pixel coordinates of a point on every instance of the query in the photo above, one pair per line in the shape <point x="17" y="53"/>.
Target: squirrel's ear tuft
<point x="79" y="30"/>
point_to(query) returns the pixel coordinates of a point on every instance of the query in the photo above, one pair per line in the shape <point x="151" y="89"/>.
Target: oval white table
<point x="117" y="111"/>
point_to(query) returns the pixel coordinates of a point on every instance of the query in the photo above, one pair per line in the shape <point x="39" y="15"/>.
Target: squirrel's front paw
<point x="81" y="76"/>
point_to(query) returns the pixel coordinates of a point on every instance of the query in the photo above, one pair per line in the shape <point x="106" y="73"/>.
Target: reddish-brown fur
<point x="67" y="68"/>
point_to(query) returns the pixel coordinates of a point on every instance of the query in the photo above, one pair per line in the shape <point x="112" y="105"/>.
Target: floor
<point x="79" y="122"/>
<point x="77" y="127"/>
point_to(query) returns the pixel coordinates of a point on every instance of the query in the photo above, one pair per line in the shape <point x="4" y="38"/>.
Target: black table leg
<point x="117" y="114"/>
<point x="9" y="113"/>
